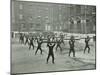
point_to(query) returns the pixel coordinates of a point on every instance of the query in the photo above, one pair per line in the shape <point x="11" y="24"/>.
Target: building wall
<point x="35" y="16"/>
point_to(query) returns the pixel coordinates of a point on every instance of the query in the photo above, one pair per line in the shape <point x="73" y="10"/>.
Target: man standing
<point x="71" y="43"/>
<point x="26" y="41"/>
<point x="51" y="46"/>
<point x="39" y="41"/>
<point x="87" y="44"/>
<point x="62" y="38"/>
<point x="58" y="45"/>
<point x="31" y="43"/>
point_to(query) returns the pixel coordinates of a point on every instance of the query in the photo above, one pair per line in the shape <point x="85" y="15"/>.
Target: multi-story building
<point x="40" y="16"/>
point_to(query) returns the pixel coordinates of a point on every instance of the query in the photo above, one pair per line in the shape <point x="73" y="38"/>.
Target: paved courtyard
<point x="25" y="60"/>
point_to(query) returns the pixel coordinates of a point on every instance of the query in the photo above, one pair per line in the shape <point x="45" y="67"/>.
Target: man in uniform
<point x="26" y="41"/>
<point x="21" y="38"/>
<point x="39" y="42"/>
<point x="87" y="44"/>
<point x="58" y="45"/>
<point x="31" y="43"/>
<point x="62" y="38"/>
<point x="51" y="46"/>
<point x="71" y="43"/>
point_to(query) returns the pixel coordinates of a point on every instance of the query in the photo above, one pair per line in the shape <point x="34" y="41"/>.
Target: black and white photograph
<point x="52" y="37"/>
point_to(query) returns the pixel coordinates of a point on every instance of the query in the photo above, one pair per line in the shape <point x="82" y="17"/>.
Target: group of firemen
<point x="51" y="42"/>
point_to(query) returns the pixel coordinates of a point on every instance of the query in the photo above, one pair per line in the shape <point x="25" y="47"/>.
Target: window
<point x="49" y="27"/>
<point x="56" y="28"/>
<point x="46" y="27"/>
<point x="22" y="25"/>
<point x="20" y="16"/>
<point x="46" y="9"/>
<point x="31" y="25"/>
<point x="21" y="6"/>
<point x="60" y="27"/>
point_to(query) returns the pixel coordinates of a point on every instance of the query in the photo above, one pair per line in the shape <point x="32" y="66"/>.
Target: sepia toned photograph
<point x="52" y="37"/>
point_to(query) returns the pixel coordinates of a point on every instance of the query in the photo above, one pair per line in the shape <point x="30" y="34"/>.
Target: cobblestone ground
<point x="25" y="60"/>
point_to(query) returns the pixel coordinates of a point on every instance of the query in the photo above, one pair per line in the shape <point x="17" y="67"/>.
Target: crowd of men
<point x="51" y="42"/>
